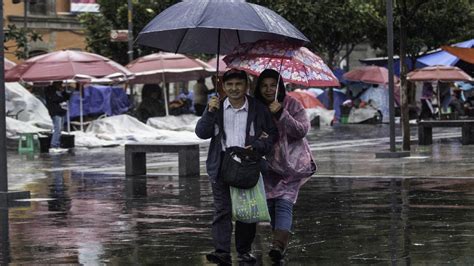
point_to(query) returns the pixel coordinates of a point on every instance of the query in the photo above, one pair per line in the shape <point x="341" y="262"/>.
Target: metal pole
<point x="3" y="130"/>
<point x="390" y="73"/>
<point x="165" y="94"/>
<point x="130" y="31"/>
<point x="81" y="111"/>
<point x="130" y="46"/>
<point x="26" y="4"/>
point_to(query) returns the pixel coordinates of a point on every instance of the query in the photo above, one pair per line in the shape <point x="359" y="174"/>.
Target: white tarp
<point x="16" y="127"/>
<point x="123" y="129"/>
<point x="183" y="122"/>
<point x="26" y="107"/>
<point x="325" y="116"/>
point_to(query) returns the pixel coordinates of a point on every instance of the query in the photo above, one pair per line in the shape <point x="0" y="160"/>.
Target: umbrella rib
<point x="238" y="36"/>
<point x="181" y="41"/>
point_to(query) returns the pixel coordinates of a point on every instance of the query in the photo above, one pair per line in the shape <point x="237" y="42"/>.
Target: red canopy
<point x="64" y="65"/>
<point x="369" y="74"/>
<point x="172" y="67"/>
<point x="438" y="73"/>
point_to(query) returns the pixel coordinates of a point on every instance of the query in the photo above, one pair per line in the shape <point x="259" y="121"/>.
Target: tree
<point x="114" y="15"/>
<point x="334" y="27"/>
<point x="21" y="37"/>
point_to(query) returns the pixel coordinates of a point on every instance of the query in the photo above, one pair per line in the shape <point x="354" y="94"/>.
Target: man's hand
<point x="264" y="135"/>
<point x="274" y="107"/>
<point x="213" y="104"/>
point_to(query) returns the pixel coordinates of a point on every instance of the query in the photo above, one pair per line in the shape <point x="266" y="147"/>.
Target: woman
<point x="290" y="163"/>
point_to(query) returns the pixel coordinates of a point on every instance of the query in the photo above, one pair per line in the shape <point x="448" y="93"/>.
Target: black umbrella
<point x="215" y="26"/>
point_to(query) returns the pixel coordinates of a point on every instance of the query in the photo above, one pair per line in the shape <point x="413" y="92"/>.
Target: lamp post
<point x="392" y="152"/>
<point x="5" y="195"/>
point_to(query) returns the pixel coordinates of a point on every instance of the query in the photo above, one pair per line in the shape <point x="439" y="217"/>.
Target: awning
<point x="465" y="54"/>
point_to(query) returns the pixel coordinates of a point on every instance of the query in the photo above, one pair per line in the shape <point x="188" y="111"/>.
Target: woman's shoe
<point x="279" y="245"/>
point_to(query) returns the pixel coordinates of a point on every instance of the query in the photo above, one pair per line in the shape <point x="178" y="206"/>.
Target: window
<point x="40" y="7"/>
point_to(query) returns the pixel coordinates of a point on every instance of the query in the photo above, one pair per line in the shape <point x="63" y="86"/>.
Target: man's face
<point x="235" y="88"/>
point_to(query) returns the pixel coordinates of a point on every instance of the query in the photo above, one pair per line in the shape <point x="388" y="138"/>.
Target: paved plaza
<point x="355" y="210"/>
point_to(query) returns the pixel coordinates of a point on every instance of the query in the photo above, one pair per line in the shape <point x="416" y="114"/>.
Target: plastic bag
<point x="250" y="205"/>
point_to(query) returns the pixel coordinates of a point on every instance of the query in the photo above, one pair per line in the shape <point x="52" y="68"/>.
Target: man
<point x="237" y="120"/>
<point x="56" y="98"/>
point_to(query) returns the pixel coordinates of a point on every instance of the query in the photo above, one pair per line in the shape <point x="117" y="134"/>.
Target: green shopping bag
<point x="250" y="205"/>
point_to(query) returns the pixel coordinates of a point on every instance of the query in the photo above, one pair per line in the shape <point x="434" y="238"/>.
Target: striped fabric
<point x="235" y="122"/>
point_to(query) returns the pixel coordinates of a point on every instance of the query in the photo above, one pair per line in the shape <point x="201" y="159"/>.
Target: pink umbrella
<point x="369" y="74"/>
<point x="64" y="65"/>
<point x="439" y="73"/>
<point x="222" y="65"/>
<point x="296" y="64"/>
<point x="168" y="67"/>
<point x="9" y="64"/>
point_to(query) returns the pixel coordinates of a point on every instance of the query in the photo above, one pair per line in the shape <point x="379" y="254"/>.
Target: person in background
<point x="152" y="104"/>
<point x="200" y="96"/>
<point x="427" y="111"/>
<point x="290" y="162"/>
<point x="236" y="120"/>
<point x="56" y="102"/>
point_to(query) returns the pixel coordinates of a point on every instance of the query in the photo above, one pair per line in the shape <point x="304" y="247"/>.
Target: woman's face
<point x="268" y="88"/>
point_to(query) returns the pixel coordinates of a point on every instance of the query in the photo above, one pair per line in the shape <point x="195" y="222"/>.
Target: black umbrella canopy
<point x="212" y="26"/>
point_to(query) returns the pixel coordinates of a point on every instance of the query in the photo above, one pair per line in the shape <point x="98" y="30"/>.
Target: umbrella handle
<point x="217" y="64"/>
<point x="278" y="81"/>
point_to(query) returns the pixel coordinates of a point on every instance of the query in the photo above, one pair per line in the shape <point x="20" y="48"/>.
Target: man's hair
<point x="234" y="74"/>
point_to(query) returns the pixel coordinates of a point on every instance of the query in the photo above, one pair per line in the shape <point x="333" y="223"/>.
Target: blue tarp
<point x="339" y="98"/>
<point x="444" y="58"/>
<point x="99" y="100"/>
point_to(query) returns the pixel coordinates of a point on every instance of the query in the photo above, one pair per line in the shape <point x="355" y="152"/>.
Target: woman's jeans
<point x="57" y="127"/>
<point x="281" y="213"/>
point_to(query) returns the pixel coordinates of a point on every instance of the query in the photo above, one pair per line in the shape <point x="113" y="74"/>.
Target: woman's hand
<point x="274" y="107"/>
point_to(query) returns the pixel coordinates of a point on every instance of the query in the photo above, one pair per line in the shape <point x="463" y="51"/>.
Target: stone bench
<point x="425" y="130"/>
<point x="188" y="157"/>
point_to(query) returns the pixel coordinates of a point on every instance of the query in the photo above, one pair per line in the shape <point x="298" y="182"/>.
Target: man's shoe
<point x="221" y="258"/>
<point x="246" y="257"/>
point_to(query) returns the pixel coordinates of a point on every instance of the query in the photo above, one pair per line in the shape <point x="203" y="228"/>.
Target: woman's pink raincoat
<point x="291" y="162"/>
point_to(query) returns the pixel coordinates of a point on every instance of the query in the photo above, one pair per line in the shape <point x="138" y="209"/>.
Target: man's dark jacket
<point x="54" y="100"/>
<point x="211" y="125"/>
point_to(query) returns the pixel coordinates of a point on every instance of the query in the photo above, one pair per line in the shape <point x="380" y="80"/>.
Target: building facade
<point x="53" y="19"/>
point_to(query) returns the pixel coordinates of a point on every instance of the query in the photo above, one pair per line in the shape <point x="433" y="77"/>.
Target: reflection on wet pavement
<point x="94" y="219"/>
<point x="357" y="210"/>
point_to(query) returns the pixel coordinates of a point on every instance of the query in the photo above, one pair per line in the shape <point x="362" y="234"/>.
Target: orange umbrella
<point x="438" y="73"/>
<point x="306" y="99"/>
<point x="465" y="54"/>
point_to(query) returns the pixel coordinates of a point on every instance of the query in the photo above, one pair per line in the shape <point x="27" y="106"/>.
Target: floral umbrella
<point x="296" y="64"/>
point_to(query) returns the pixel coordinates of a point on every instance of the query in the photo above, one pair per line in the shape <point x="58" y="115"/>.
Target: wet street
<point x="356" y="210"/>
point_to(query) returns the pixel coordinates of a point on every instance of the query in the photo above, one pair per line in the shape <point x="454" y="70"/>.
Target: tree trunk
<point x="405" y="120"/>
<point x="331" y="91"/>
